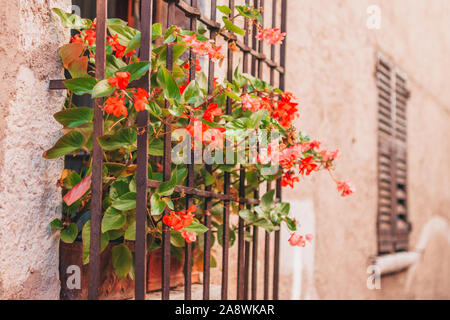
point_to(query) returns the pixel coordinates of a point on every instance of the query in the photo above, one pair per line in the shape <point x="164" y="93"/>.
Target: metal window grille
<point x="392" y="219"/>
<point x="246" y="265"/>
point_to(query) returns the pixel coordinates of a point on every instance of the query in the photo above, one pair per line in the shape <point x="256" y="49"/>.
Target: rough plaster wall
<point x="29" y="199"/>
<point x="331" y="61"/>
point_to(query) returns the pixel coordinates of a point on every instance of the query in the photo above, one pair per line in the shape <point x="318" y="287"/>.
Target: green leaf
<point x="118" y="188"/>
<point x="156" y="148"/>
<point x="168" y="84"/>
<point x="113" y="220"/>
<point x="267" y="199"/>
<point x="86" y="237"/>
<point x="156" y="204"/>
<point x="74" y="117"/>
<point x="115" y="234"/>
<point x="224" y="9"/>
<point x="72" y="21"/>
<point x="256" y="118"/>
<point x="154" y="108"/>
<point x="176" y="239"/>
<point x="156" y="31"/>
<point x="196" y="228"/>
<point x="231" y="239"/>
<point x="124" y="33"/>
<point x="113" y="64"/>
<point x="71" y="141"/>
<point x="57" y="224"/>
<point x="130" y="233"/>
<point x="136" y="69"/>
<point x="124" y="137"/>
<point x="69" y="233"/>
<point x="134" y="43"/>
<point x="232" y="95"/>
<point x="80" y="86"/>
<point x="102" y="89"/>
<point x="166" y="188"/>
<point x="232" y="27"/>
<point x="191" y="93"/>
<point x="122" y="260"/>
<point x="125" y="202"/>
<point x="207" y="177"/>
<point x="291" y="224"/>
<point x="115" y="21"/>
<point x="248" y="215"/>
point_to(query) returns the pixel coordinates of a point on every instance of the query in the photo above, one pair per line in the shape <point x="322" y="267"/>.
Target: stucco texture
<point x="331" y="59"/>
<point x="29" y="198"/>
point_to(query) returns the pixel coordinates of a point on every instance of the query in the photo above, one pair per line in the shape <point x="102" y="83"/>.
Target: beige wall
<point x="29" y="198"/>
<point x="331" y="60"/>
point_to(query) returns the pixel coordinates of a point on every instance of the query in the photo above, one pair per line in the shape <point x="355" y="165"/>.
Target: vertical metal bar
<point x="190" y="177"/>
<point x="142" y="161"/>
<point x="269" y="185"/>
<point x="226" y="205"/>
<point x="97" y="157"/>
<point x="207" y="235"/>
<point x="256" y="63"/>
<point x="243" y="246"/>
<point x="276" y="263"/>
<point x="167" y="166"/>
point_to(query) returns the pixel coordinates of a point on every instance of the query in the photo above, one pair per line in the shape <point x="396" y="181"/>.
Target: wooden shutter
<point x="392" y="218"/>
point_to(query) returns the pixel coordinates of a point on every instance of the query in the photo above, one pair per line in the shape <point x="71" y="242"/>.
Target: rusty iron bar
<point x="140" y="285"/>
<point x="242" y="272"/>
<point x="207" y="234"/>
<point x="167" y="167"/>
<point x="190" y="175"/>
<point x="276" y="256"/>
<point x="97" y="157"/>
<point x="227" y="183"/>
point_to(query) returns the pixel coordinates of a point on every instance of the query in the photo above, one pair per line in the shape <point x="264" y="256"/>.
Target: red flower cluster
<point x="273" y="35"/>
<point x="180" y="219"/>
<point x="285" y="110"/>
<point x="118" y="48"/>
<point x="211" y="111"/>
<point x="345" y="187"/>
<point x="203" y="48"/>
<point x="140" y="99"/>
<point x="289" y="179"/>
<point x="198" y="68"/>
<point x="120" y="81"/>
<point x="297" y="239"/>
<point x="116" y="106"/>
<point x="88" y="36"/>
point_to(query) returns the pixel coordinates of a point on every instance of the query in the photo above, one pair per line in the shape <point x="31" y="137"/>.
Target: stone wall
<point x="29" y="198"/>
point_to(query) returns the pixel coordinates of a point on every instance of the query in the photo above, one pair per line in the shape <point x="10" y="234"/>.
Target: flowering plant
<point x="196" y="112"/>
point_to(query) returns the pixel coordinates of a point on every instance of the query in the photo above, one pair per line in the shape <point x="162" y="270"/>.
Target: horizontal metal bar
<point x="204" y="193"/>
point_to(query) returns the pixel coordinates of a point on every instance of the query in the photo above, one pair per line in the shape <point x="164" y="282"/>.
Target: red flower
<point x="296" y="240"/>
<point x="188" y="236"/>
<point x="140" y="99"/>
<point x="120" y="81"/>
<point x="90" y="37"/>
<point x="288" y="179"/>
<point x="181" y="219"/>
<point x="182" y="88"/>
<point x="198" y="68"/>
<point x="76" y="38"/>
<point x="309" y="237"/>
<point x="273" y="36"/>
<point x="211" y="111"/>
<point x="307" y="165"/>
<point x="116" y="106"/>
<point x="345" y="187"/>
<point x="215" y="54"/>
